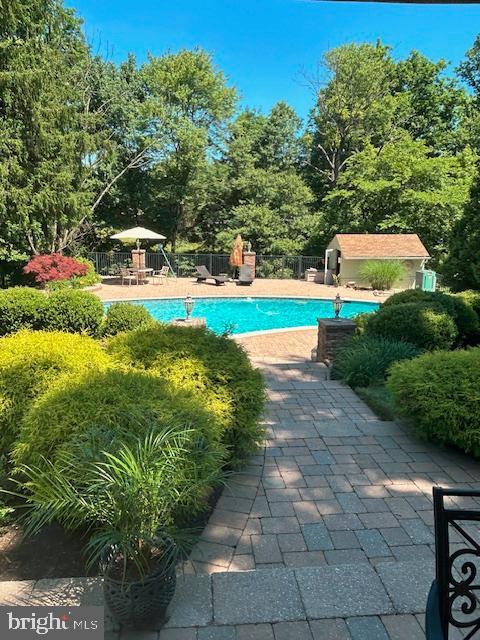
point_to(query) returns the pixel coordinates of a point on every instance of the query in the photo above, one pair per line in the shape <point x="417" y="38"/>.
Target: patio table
<point x="141" y="274"/>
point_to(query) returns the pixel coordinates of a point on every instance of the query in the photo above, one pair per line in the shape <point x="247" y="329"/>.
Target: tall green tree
<point x="355" y="106"/>
<point x="401" y="188"/>
<point x="190" y="102"/>
<point x="437" y="103"/>
<point x="462" y="267"/>
<point x="265" y="197"/>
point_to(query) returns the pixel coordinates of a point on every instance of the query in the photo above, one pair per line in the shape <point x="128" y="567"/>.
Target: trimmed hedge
<point x="84" y="415"/>
<point x="462" y="312"/>
<point x="426" y="326"/>
<point x="21" y="308"/>
<point x="101" y="410"/>
<point x="440" y="393"/>
<point x="365" y="359"/>
<point x="30" y="362"/>
<point x="125" y="316"/>
<point x="214" y="366"/>
<point x="74" y="311"/>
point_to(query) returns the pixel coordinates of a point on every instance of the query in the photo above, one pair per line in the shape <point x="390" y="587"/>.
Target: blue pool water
<point x="241" y="315"/>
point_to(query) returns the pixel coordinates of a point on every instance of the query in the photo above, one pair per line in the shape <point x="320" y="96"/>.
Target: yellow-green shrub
<point x="440" y="393"/>
<point x="95" y="410"/>
<point x="84" y="415"/>
<point x="30" y="361"/>
<point x="215" y="367"/>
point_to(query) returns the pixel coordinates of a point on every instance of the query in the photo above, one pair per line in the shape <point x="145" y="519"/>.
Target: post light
<point x="189" y="303"/>
<point x="337" y="306"/>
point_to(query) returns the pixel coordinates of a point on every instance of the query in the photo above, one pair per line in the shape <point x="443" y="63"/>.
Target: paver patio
<point x="180" y="287"/>
<point x="326" y="535"/>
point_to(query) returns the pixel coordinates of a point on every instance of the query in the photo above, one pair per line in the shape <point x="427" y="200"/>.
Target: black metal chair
<point x="453" y="598"/>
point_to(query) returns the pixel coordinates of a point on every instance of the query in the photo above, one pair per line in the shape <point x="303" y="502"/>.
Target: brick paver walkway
<point x="327" y="535"/>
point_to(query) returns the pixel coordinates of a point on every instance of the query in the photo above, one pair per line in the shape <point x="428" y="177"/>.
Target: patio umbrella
<point x="236" y="257"/>
<point x="140" y="233"/>
<point x="137" y="234"/>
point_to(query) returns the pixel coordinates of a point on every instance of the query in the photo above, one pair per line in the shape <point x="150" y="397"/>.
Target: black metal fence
<point x="184" y="264"/>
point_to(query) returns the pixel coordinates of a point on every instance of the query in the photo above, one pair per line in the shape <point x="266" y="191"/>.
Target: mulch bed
<point x="54" y="552"/>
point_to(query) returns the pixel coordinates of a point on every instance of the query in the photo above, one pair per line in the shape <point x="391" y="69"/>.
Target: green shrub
<point x="74" y="311"/>
<point x="21" y="308"/>
<point x="361" y="320"/>
<point x="417" y="295"/>
<point x="472" y="298"/>
<point x="365" y="360"/>
<point x="382" y="274"/>
<point x="90" y="279"/>
<point x="457" y="307"/>
<point x="127" y="500"/>
<point x="82" y="416"/>
<point x="30" y="362"/>
<point x="440" y="393"/>
<point x="125" y="316"/>
<point x="214" y="366"/>
<point x="426" y="326"/>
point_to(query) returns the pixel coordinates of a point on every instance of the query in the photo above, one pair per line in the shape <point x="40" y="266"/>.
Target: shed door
<point x="338" y="263"/>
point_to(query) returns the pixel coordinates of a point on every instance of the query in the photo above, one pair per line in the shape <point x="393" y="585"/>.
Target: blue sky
<point x="264" y="46"/>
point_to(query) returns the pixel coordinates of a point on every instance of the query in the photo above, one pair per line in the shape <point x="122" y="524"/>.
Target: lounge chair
<point x="245" y="275"/>
<point x="204" y="274"/>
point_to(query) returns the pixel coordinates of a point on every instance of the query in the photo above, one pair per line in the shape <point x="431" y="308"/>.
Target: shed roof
<point x="381" y="245"/>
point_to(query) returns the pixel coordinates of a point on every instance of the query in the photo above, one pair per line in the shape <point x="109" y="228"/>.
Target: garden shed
<point x="347" y="253"/>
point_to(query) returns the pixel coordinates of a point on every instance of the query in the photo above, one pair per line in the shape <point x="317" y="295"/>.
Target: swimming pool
<point x="242" y="315"/>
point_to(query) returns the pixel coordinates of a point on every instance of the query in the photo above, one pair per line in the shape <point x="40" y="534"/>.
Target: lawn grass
<point x="379" y="399"/>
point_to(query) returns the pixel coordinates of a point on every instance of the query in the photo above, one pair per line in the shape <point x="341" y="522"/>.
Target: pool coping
<point x="238" y="298"/>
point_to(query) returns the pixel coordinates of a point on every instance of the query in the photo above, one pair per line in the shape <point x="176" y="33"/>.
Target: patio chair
<point x="452" y="600"/>
<point x="128" y="274"/>
<point x="162" y="275"/>
<point x="204" y="274"/>
<point x="245" y="275"/>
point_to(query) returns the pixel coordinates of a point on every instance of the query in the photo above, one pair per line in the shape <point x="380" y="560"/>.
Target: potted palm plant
<point x="127" y="500"/>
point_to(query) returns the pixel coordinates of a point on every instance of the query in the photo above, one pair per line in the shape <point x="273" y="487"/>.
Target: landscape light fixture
<point x="189" y="303"/>
<point x="337" y="305"/>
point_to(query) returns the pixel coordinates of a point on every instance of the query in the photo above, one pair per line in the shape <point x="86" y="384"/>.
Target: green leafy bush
<point x="458" y="308"/>
<point x="382" y="274"/>
<point x="83" y="415"/>
<point x="440" y="393"/>
<point x="472" y="298"/>
<point x="30" y="362"/>
<point x="73" y="311"/>
<point x="90" y="279"/>
<point x="125" y="316"/>
<point x="426" y="326"/>
<point x="215" y="367"/>
<point x="127" y="499"/>
<point x="21" y="308"/>
<point x="361" y="320"/>
<point x="365" y="360"/>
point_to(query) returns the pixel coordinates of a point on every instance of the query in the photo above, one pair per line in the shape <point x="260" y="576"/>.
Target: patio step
<point x="307" y="593"/>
